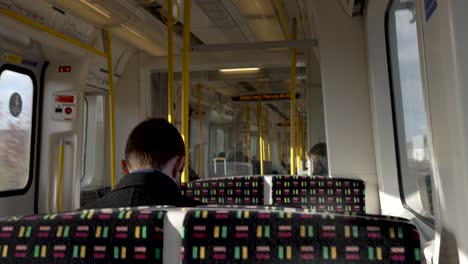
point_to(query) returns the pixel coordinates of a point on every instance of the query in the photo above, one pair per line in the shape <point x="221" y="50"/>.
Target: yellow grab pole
<point x="110" y="73"/>
<point x="267" y="120"/>
<point x="298" y="141"/>
<point x="293" y="100"/>
<point x="186" y="85"/>
<point x="260" y="136"/>
<point x="247" y="116"/>
<point x="52" y="32"/>
<point x="60" y="176"/>
<point x="170" y="63"/>
<point x="200" y="127"/>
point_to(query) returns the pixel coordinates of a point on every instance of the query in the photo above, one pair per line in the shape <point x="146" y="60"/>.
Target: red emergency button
<point x="68" y="110"/>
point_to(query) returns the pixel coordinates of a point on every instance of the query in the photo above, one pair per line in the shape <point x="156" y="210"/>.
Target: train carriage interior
<point x="253" y="86"/>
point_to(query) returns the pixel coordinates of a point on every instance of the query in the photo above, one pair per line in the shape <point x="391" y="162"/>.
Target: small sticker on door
<point x="16" y="104"/>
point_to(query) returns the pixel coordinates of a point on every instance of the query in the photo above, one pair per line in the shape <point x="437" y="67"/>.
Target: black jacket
<point x="144" y="189"/>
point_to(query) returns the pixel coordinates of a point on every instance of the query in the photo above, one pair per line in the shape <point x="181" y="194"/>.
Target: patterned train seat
<point x="243" y="236"/>
<point x="90" y="236"/>
<point x="244" y="190"/>
<point x="319" y="193"/>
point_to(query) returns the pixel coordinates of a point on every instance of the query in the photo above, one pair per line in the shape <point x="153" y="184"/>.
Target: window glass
<point x="409" y="109"/>
<point x="94" y="175"/>
<point x="16" y="113"/>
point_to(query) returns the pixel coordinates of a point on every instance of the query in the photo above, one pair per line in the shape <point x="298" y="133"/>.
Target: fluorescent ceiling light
<point x="97" y="8"/>
<point x="134" y="31"/>
<point x="240" y="69"/>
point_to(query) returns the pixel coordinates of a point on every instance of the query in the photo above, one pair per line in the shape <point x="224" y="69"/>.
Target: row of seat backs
<point x="313" y="192"/>
<point x="207" y="235"/>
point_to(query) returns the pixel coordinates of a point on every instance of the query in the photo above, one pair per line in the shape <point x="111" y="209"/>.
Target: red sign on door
<point x="64" y="69"/>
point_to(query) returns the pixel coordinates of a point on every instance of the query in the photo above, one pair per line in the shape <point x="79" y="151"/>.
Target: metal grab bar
<point x="110" y="71"/>
<point x="61" y="155"/>
<point x="53" y="32"/>
<point x="293" y="100"/>
<point x="225" y="166"/>
<point x="170" y="64"/>
<point x="186" y="85"/>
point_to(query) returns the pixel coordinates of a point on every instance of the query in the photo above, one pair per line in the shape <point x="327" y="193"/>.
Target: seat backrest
<point x="242" y="190"/>
<point x="243" y="236"/>
<point x="216" y="169"/>
<point x="319" y="193"/>
<point x="89" y="236"/>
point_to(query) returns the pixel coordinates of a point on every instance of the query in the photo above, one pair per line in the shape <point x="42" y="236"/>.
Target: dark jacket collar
<point x="153" y="178"/>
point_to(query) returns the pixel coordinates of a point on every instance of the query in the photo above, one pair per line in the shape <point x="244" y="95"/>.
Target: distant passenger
<point x="318" y="157"/>
<point x="154" y="161"/>
<point x="237" y="156"/>
<point x="221" y="155"/>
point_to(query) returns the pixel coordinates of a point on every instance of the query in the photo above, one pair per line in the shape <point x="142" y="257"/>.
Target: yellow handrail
<point x="186" y="85"/>
<point x="293" y="100"/>
<point x="46" y="29"/>
<point x="267" y="137"/>
<point x="299" y="142"/>
<point x="170" y="63"/>
<point x="249" y="150"/>
<point x="283" y="17"/>
<point x="110" y="73"/>
<point x="60" y="176"/>
<point x="200" y="127"/>
<point x="260" y="135"/>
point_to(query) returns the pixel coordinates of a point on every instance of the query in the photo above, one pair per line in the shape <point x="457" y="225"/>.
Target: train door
<point x="20" y="97"/>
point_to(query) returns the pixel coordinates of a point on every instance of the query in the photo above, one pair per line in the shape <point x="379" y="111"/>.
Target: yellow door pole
<point x="60" y="176"/>
<point x="110" y="73"/>
<point x="293" y="100"/>
<point x="170" y="63"/>
<point x="260" y="136"/>
<point x="247" y="116"/>
<point x="298" y="141"/>
<point x="186" y="85"/>
<point x="267" y="137"/>
<point x="200" y="131"/>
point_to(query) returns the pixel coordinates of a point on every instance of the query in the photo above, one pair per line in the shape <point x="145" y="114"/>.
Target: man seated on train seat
<point x="318" y="158"/>
<point x="154" y="161"/>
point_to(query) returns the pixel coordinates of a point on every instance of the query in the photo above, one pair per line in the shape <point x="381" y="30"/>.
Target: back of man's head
<point x="152" y="144"/>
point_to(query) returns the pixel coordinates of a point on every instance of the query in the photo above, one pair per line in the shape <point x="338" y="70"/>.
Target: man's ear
<point x="179" y="166"/>
<point x="124" y="166"/>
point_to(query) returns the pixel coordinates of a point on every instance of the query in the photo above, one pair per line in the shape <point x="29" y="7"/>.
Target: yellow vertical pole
<point x="170" y="63"/>
<point x="298" y="143"/>
<point x="60" y="176"/>
<point x="267" y="136"/>
<point x="260" y="135"/>
<point x="186" y="85"/>
<point x="247" y="116"/>
<point x="200" y="132"/>
<point x="110" y="72"/>
<point x="293" y="100"/>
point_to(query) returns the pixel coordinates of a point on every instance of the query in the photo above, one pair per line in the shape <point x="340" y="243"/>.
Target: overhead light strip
<point x="134" y="31"/>
<point x="97" y="8"/>
<point x="240" y="69"/>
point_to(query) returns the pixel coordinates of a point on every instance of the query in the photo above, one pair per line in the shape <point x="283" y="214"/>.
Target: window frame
<point x="34" y="126"/>
<point x="430" y="221"/>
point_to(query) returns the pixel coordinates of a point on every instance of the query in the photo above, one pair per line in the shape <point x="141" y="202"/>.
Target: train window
<point x="411" y="128"/>
<point x="16" y="117"/>
<point x="94" y="151"/>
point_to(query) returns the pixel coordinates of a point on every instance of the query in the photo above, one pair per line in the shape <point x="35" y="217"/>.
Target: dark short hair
<point x="153" y="143"/>
<point x="319" y="149"/>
